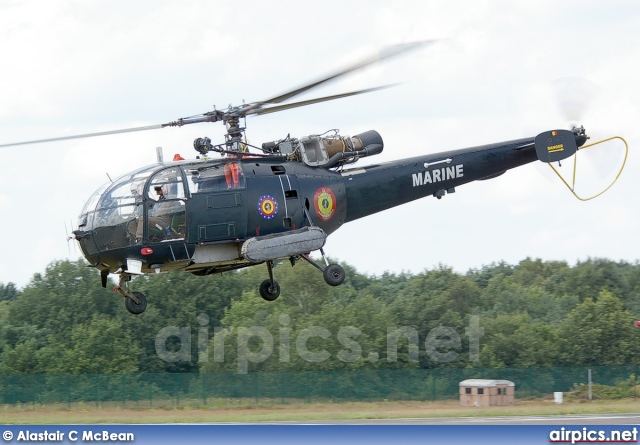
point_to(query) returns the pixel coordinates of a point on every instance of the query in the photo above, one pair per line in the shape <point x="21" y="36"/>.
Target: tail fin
<point x="555" y="145"/>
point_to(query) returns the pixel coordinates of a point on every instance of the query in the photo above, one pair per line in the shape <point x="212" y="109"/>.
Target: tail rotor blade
<point x="574" y="96"/>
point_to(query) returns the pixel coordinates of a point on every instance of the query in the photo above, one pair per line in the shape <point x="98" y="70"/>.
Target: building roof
<point x="486" y="383"/>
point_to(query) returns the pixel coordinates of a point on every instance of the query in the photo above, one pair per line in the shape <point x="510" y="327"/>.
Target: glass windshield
<point x="93" y="200"/>
<point x="125" y="190"/>
<point x="115" y="210"/>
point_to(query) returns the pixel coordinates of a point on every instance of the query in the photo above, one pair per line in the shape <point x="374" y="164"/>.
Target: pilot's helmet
<point x="161" y="191"/>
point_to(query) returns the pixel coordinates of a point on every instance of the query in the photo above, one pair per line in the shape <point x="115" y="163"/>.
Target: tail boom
<point x="379" y="187"/>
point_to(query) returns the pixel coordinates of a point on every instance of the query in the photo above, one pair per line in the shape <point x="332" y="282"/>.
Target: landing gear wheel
<point x="333" y="275"/>
<point x="268" y="291"/>
<point x="133" y="307"/>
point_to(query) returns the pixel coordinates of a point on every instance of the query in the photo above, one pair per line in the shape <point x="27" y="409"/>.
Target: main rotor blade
<point x="87" y="135"/>
<point x="314" y="101"/>
<point x="384" y="54"/>
<point x="277" y="108"/>
<point x="257" y="107"/>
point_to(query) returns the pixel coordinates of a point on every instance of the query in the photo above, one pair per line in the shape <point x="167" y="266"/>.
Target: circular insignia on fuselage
<point x="267" y="207"/>
<point x="325" y="203"/>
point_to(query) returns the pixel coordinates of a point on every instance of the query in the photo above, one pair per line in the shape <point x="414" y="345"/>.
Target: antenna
<point x="159" y="155"/>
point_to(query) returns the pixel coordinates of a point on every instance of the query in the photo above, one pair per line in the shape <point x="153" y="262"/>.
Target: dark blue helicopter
<point x="279" y="201"/>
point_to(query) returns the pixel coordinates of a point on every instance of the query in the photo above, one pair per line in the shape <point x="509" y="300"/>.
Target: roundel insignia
<point x="267" y="207"/>
<point x="325" y="203"/>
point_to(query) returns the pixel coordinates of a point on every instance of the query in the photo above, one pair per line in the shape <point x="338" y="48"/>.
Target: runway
<point x="568" y="419"/>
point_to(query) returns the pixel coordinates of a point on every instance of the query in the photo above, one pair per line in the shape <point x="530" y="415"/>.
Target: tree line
<point x="533" y="314"/>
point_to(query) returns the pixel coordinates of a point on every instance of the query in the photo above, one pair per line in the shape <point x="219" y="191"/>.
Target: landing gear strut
<point x="333" y="274"/>
<point x="135" y="302"/>
<point x="270" y="289"/>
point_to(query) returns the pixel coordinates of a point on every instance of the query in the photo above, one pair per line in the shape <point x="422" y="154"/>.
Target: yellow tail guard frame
<point x="575" y="159"/>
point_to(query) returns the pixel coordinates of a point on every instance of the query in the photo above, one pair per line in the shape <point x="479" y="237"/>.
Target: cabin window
<point x="218" y="177"/>
<point x="467" y="390"/>
<point x="480" y="390"/>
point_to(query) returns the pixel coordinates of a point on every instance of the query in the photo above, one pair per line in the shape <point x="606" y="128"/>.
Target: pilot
<point x="158" y="217"/>
<point x="159" y="192"/>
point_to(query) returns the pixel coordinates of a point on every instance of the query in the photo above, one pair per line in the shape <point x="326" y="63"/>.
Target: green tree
<point x="483" y="275"/>
<point x="437" y="299"/>
<point x="597" y="333"/>
<point x="99" y="346"/>
<point x="533" y="314"/>
<point x="8" y="292"/>
<point x="586" y="279"/>
<point x="514" y="341"/>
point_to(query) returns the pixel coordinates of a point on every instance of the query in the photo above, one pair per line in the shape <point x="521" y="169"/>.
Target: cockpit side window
<point x="167" y="184"/>
<point x="166" y="207"/>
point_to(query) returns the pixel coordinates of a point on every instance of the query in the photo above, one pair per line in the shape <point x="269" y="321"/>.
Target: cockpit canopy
<point x="148" y="204"/>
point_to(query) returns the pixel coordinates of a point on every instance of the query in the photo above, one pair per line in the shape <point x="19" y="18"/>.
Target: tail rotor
<point x="599" y="162"/>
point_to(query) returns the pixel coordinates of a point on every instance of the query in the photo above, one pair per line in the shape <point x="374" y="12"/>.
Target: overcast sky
<point x="72" y="67"/>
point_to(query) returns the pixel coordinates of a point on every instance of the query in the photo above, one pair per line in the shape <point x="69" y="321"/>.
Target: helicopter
<point x="256" y="205"/>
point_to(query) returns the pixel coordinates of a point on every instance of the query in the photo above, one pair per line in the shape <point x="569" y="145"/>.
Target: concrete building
<point x="485" y="392"/>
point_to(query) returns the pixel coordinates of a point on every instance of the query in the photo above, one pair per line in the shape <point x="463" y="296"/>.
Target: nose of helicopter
<point x="142" y="207"/>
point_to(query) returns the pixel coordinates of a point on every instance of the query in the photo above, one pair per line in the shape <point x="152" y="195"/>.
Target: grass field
<point x="90" y="414"/>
